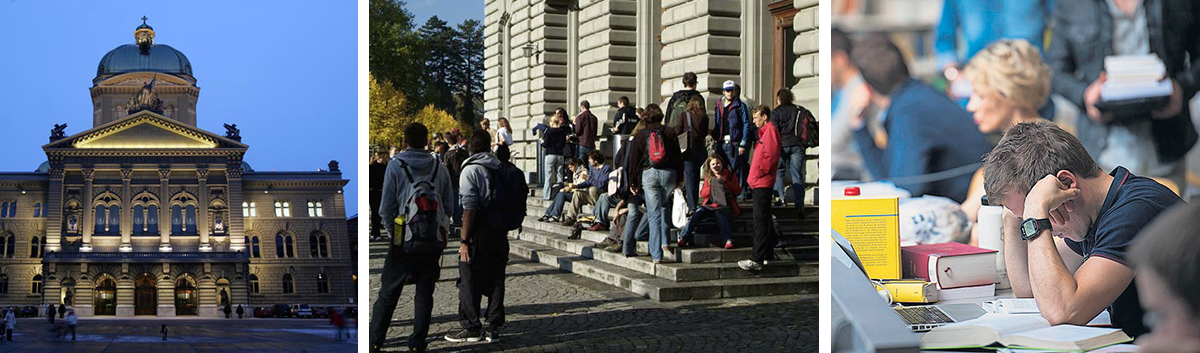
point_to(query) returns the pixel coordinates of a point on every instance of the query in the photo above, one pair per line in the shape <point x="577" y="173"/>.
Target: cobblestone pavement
<point x="112" y="335"/>
<point x="554" y="311"/>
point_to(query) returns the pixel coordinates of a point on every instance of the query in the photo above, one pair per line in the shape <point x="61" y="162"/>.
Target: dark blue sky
<point x="451" y="11"/>
<point x="285" y="73"/>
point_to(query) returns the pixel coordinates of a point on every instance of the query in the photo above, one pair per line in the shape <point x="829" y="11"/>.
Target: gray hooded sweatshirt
<point x="473" y="185"/>
<point x="396" y="188"/>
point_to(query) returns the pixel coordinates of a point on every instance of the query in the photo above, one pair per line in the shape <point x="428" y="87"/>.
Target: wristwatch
<point x="1030" y="228"/>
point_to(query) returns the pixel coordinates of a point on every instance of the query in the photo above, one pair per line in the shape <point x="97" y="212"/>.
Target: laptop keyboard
<point x="923" y="315"/>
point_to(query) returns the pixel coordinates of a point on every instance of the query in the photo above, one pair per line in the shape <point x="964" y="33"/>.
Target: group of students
<point x="424" y="197"/>
<point x="662" y="151"/>
<point x="1091" y="222"/>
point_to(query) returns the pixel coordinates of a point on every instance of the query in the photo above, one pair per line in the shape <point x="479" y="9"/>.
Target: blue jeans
<point x="737" y="164"/>
<point x="553" y="165"/>
<point x="634" y="224"/>
<point x="556" y="207"/>
<point x="657" y="184"/>
<point x="604" y="203"/>
<point x="792" y="160"/>
<point x="723" y="215"/>
<point x="691" y="181"/>
<point x="583" y="151"/>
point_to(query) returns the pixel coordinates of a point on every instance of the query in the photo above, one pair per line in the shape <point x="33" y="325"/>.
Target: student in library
<point x="1053" y="189"/>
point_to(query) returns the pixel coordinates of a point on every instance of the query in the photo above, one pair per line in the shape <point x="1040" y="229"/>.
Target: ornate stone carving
<point x="88" y="173"/>
<point x="164" y="173"/>
<point x="202" y="173"/>
<point x="56" y="173"/>
<point x="146" y="99"/>
<point x="233" y="133"/>
<point x="233" y="173"/>
<point x="126" y="174"/>
<point x="333" y="166"/>
<point x="57" y="132"/>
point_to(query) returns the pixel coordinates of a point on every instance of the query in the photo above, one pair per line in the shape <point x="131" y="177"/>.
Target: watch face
<point x="1028" y="229"/>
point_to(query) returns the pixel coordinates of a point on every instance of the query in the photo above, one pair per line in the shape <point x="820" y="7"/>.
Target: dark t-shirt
<point x="1131" y="204"/>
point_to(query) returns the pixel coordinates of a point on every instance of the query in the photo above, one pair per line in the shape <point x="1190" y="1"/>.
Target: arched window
<point x="152" y="220"/>
<point x="253" y="283"/>
<point x="176" y="220"/>
<point x="5" y="243"/>
<point x="322" y="283"/>
<point x="35" y="248"/>
<point x="189" y="226"/>
<point x="3" y="284"/>
<point x="101" y="219"/>
<point x="289" y="246"/>
<point x="253" y="209"/>
<point x="37" y="285"/>
<point x="312" y="209"/>
<point x="12" y="209"/>
<point x="139" y="220"/>
<point x="322" y="247"/>
<point x="3" y="209"/>
<point x="255" y="250"/>
<point x="278" y="209"/>
<point x="37" y="210"/>
<point x="320" y="209"/>
<point x="288" y="286"/>
<point x="279" y="245"/>
<point x="313" y="246"/>
<point x="114" y="219"/>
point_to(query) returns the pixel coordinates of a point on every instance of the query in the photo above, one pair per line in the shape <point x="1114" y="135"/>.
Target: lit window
<point x="287" y="209"/>
<point x="253" y="210"/>
<point x="245" y="209"/>
<point x="312" y="209"/>
<point x="101" y="219"/>
<point x="320" y="209"/>
<point x="322" y="283"/>
<point x="278" y="209"/>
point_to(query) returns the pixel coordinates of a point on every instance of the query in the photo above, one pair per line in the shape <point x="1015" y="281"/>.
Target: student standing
<point x="503" y="133"/>
<point x="625" y="119"/>
<point x="693" y="123"/>
<point x="681" y="98"/>
<point x="10" y="321"/>
<point x="413" y="170"/>
<point x="378" y="168"/>
<point x="585" y="129"/>
<point x="556" y="149"/>
<point x="761" y="180"/>
<point x="654" y="165"/>
<point x="732" y="132"/>
<point x="792" y="122"/>
<point x="72" y="322"/>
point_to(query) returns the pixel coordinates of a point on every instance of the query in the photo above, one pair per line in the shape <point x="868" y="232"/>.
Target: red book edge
<point x="915" y="258"/>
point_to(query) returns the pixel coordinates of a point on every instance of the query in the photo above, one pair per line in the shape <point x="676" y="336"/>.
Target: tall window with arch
<point x="4" y="209"/>
<point x="36" y="287"/>
<point x="322" y="283"/>
<point x="316" y="209"/>
<point x="176" y="220"/>
<point x="249" y="209"/>
<point x="254" y="284"/>
<point x="289" y="286"/>
<point x="8" y="245"/>
<point x="3" y="284"/>
<point x="36" y="245"/>
<point x="101" y="218"/>
<point x="318" y="244"/>
<point x="37" y="210"/>
<point x="285" y="245"/>
<point x="255" y="246"/>
<point x="12" y="209"/>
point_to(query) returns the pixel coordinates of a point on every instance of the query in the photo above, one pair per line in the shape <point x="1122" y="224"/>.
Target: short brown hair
<point x="1029" y="152"/>
<point x="689" y="79"/>
<point x="784" y="96"/>
<point x="880" y="63"/>
<point x="764" y="110"/>
<point x="653" y="113"/>
<point x="1169" y="248"/>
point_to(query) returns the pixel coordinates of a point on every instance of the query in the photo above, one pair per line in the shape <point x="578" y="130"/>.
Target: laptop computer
<point x="919" y="318"/>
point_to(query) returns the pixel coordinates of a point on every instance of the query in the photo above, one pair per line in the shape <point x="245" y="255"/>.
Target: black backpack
<point x="809" y="137"/>
<point x="506" y="209"/>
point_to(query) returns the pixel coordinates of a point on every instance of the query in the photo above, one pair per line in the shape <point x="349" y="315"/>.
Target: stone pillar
<point x="202" y="226"/>
<point x="84" y="296"/>
<point x="55" y="219"/>
<point x="125" y="306"/>
<point x="649" y="52"/>
<point x="207" y="290"/>
<point x="692" y="32"/>
<point x="166" y="293"/>
<point x="126" y="210"/>
<point x="89" y="213"/>
<point x="234" y="224"/>
<point x="164" y="209"/>
<point x="756" y="70"/>
<point x="51" y="291"/>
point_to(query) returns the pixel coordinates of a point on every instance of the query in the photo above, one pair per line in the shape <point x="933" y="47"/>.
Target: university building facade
<point x="545" y="54"/>
<point x="146" y="214"/>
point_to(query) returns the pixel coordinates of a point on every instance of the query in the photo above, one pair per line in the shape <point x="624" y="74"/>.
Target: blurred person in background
<point x="932" y="147"/>
<point x="848" y="88"/>
<point x="977" y="23"/>
<point x="1166" y="257"/>
<point x="1085" y="32"/>
<point x="378" y="168"/>
<point x="1011" y="83"/>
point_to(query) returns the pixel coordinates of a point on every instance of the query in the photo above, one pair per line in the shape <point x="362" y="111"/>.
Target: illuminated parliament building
<point x="146" y="214"/>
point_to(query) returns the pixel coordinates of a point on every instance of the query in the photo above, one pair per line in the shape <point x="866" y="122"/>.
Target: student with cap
<point x="732" y="132"/>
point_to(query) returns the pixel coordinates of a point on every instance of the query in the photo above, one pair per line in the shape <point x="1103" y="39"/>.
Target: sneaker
<point x="465" y="336"/>
<point x="613" y="248"/>
<point x="599" y="227"/>
<point x="729" y="244"/>
<point x="682" y="242"/>
<point x="493" y="335"/>
<point x="748" y="265"/>
<point x="604" y="243"/>
<point x="544" y="219"/>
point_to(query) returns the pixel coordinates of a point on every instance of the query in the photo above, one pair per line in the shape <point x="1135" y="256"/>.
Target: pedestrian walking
<point x="10" y="324"/>
<point x="240" y="311"/>
<point x="654" y="164"/>
<point x="62" y="309"/>
<point x="164" y="331"/>
<point x="50" y="313"/>
<point x="339" y="324"/>
<point x="72" y="322"/>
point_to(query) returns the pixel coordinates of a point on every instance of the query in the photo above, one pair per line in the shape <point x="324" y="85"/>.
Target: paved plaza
<point x="113" y="335"/>
<point x="553" y="311"/>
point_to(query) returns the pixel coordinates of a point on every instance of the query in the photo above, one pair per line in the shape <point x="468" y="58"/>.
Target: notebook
<point x="1021" y="331"/>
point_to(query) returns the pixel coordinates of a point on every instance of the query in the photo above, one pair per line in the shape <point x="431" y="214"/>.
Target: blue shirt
<point x="597" y="177"/>
<point x="981" y="22"/>
<point x="927" y="133"/>
<point x="1132" y="202"/>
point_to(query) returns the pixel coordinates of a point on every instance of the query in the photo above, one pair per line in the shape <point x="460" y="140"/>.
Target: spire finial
<point x="144" y="19"/>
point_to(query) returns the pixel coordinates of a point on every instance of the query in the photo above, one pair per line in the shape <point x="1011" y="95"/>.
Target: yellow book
<point x="912" y="290"/>
<point x="872" y="225"/>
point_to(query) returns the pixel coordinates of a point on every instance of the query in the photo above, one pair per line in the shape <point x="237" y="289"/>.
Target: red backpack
<point x="657" y="149"/>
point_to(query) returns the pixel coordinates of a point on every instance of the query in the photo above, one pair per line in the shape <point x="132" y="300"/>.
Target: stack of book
<point x="1135" y="85"/>
<point x="960" y="271"/>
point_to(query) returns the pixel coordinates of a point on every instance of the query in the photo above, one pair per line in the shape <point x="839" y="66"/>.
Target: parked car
<point x="262" y="312"/>
<point x="321" y="312"/>
<point x="302" y="311"/>
<point x="28" y="311"/>
<point x="353" y="312"/>
<point x="282" y="310"/>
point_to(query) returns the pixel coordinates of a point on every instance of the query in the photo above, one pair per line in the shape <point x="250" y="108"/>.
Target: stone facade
<point x="145" y="214"/>
<point x="600" y="50"/>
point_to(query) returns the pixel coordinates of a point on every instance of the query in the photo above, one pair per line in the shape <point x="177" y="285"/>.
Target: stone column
<point x="649" y="52"/>
<point x="84" y="296"/>
<point x="756" y="65"/>
<point x="54" y="223"/>
<point x="125" y="293"/>
<point x="126" y="210"/>
<point x="202" y="226"/>
<point x="89" y="213"/>
<point x="206" y="288"/>
<point x="234" y="225"/>
<point x="52" y="291"/>
<point x="164" y="209"/>
<point x="166" y="293"/>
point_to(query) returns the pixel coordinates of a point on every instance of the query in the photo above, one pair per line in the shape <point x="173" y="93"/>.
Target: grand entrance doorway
<point x="106" y="296"/>
<point x="185" y="297"/>
<point x="145" y="298"/>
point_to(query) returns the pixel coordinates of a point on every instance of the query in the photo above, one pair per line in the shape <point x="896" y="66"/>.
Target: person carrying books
<point x="1069" y="225"/>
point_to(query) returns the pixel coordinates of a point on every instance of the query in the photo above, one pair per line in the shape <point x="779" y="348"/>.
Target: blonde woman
<point x="503" y="134"/>
<point x="1011" y="82"/>
<point x="555" y="149"/>
<point x="718" y="197"/>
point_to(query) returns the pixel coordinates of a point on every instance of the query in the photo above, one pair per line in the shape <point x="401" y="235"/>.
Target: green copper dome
<point x="129" y="58"/>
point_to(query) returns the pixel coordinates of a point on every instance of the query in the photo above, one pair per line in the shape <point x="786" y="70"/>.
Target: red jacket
<point x="766" y="158"/>
<point x="733" y="188"/>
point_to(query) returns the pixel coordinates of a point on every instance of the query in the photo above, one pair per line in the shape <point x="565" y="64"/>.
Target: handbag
<point x="684" y="137"/>
<point x="679" y="210"/>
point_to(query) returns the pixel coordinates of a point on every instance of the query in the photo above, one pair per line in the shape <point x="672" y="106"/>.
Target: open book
<point x="1020" y="331"/>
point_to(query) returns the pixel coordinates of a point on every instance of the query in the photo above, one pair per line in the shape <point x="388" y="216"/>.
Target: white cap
<point x="728" y="85"/>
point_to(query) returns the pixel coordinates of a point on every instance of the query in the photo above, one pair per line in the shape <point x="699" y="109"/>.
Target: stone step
<point x="661" y="289"/>
<point x="679" y="272"/>
<point x="804" y="251"/>
<point x="744" y="220"/>
<point x="811" y="213"/>
<point x="743" y="229"/>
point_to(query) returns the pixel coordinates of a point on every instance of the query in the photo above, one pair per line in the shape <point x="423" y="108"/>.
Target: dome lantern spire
<point x="144" y="36"/>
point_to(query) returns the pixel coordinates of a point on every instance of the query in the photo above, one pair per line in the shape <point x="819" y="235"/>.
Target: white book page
<point x="1006" y="324"/>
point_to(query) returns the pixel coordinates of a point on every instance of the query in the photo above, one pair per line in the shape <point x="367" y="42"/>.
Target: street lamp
<point x="531" y="50"/>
